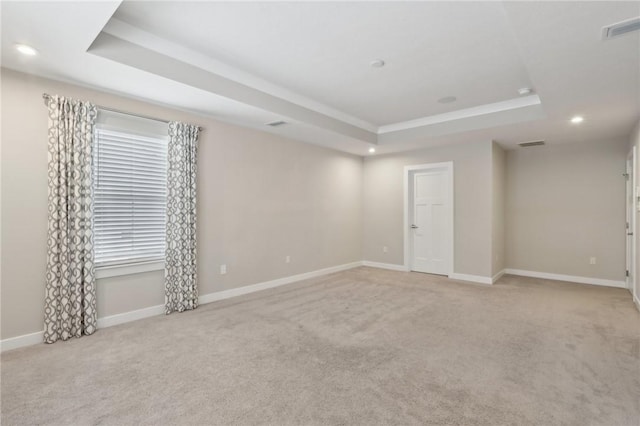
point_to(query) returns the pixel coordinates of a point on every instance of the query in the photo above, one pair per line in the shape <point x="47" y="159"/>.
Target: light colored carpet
<point x="364" y="346"/>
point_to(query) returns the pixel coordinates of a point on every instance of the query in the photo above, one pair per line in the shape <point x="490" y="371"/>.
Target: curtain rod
<point x="47" y="97"/>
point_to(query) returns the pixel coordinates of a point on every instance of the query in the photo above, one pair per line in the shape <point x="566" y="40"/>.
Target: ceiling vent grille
<point x="621" y="28"/>
<point x="533" y="143"/>
<point x="277" y="123"/>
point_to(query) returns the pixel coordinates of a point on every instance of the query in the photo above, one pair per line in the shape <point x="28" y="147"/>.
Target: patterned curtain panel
<point x="181" y="290"/>
<point x="70" y="304"/>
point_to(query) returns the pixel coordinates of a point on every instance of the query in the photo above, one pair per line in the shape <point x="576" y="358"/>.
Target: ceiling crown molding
<point x="127" y="44"/>
<point x="462" y="113"/>
<point x="135" y="35"/>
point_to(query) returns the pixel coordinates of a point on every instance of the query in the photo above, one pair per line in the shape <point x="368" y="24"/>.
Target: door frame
<point x="630" y="261"/>
<point x="408" y="200"/>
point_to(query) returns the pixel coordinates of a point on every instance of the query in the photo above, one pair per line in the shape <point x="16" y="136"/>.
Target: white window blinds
<point x="130" y="173"/>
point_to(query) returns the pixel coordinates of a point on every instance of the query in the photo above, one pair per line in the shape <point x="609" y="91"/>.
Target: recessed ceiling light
<point x="525" y="91"/>
<point x="377" y="63"/>
<point x="577" y="119"/>
<point x="447" y="100"/>
<point x="26" y="50"/>
<point x="372" y="150"/>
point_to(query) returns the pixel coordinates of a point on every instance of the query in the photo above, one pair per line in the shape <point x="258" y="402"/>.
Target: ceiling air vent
<point x="533" y="143"/>
<point x="621" y="28"/>
<point x="277" y="123"/>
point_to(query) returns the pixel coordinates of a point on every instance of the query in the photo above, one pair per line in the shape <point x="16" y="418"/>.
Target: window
<point x="130" y="172"/>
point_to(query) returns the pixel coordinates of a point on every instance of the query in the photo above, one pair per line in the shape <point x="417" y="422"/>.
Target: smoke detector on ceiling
<point x="621" y="28"/>
<point x="532" y="143"/>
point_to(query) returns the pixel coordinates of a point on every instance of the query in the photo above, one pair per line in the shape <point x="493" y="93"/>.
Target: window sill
<point x="128" y="269"/>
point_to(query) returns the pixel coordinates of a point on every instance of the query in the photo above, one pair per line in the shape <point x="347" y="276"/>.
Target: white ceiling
<point x="323" y="50"/>
<point x="308" y="64"/>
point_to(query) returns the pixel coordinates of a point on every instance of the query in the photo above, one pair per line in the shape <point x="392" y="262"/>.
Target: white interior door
<point x="630" y="208"/>
<point x="429" y="221"/>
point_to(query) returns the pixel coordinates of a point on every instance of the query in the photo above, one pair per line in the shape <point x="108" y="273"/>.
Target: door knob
<point x="414" y="227"/>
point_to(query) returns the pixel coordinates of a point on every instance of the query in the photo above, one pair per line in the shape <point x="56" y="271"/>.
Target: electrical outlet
<point x="287" y="259"/>
<point x="385" y="249"/>
<point x="592" y="261"/>
<point x="223" y="269"/>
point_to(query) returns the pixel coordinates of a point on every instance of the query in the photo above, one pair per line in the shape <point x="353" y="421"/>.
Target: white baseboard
<point x="569" y="278"/>
<point x="20" y="341"/>
<point x="390" y="266"/>
<point x="239" y="291"/>
<point x="454" y="276"/>
<point x="473" y="278"/>
<point x="497" y="276"/>
<point x="117" y="319"/>
<point x="104" y="322"/>
<point x="637" y="303"/>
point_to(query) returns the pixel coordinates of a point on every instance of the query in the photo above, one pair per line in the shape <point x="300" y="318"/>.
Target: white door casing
<point x="429" y="218"/>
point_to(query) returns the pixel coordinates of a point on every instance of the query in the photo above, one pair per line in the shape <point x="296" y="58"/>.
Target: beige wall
<point x="384" y="198"/>
<point x="261" y="198"/>
<point x="566" y="203"/>
<point x="499" y="182"/>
